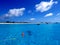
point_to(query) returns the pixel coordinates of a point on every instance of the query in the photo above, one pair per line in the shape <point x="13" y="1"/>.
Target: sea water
<point x="33" y="34"/>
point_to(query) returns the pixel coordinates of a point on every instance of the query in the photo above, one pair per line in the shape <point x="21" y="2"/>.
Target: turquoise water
<point x="43" y="34"/>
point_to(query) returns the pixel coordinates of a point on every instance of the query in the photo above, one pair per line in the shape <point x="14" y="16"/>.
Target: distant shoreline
<point x="19" y="23"/>
<point x="31" y="23"/>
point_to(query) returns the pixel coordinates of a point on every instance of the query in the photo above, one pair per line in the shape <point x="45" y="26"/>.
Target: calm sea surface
<point x="29" y="34"/>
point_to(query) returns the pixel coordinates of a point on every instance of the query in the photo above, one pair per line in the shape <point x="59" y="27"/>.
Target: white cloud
<point x="45" y="6"/>
<point x="15" y="12"/>
<point x="32" y="18"/>
<point x="49" y="14"/>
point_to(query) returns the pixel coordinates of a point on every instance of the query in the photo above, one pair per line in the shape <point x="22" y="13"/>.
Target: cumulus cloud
<point x="15" y="12"/>
<point x="32" y="18"/>
<point x="49" y="14"/>
<point x="45" y="6"/>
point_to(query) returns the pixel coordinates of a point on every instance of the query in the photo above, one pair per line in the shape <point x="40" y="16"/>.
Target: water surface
<point x="43" y="34"/>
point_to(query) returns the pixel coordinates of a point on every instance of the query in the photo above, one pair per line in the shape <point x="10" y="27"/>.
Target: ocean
<point x="29" y="34"/>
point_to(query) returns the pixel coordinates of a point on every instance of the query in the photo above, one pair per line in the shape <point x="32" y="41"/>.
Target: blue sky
<point x="30" y="10"/>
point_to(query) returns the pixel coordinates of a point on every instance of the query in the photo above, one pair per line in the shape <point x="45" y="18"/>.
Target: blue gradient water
<point x="43" y="34"/>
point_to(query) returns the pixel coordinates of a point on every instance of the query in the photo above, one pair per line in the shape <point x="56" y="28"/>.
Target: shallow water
<point x="43" y="34"/>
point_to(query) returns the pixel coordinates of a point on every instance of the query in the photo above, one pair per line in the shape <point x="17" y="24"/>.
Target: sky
<point x="30" y="10"/>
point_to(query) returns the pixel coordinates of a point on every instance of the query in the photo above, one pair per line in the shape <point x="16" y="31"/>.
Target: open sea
<point x="29" y="34"/>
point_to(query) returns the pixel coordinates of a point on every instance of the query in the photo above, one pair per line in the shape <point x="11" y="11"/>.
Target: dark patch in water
<point x="38" y="24"/>
<point x="29" y="33"/>
<point x="46" y="22"/>
<point x="33" y="42"/>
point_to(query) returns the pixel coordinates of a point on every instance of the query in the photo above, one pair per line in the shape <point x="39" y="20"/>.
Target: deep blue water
<point x="43" y="34"/>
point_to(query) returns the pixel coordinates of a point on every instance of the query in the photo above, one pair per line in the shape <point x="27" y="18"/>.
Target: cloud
<point x="44" y="6"/>
<point x="15" y="12"/>
<point x="32" y="18"/>
<point x="49" y="14"/>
